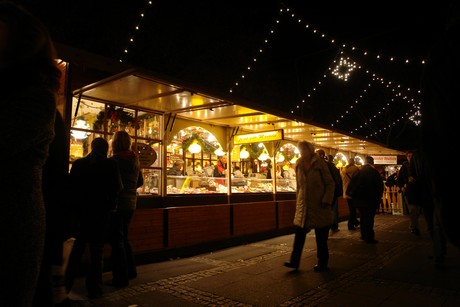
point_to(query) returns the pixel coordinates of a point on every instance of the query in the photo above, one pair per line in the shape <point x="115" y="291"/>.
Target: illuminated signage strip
<point x="385" y="159"/>
<point x="266" y="136"/>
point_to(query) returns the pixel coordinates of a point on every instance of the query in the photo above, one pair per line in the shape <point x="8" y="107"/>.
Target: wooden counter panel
<point x="256" y="217"/>
<point x="197" y="224"/>
<point x="286" y="211"/>
<point x="343" y="207"/>
<point x="146" y="231"/>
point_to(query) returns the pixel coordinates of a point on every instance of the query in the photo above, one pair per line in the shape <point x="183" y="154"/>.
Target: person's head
<point x="330" y="158"/>
<point x="369" y="160"/>
<point x="99" y="147"/>
<point x="223" y="159"/>
<point x="121" y="142"/>
<point x="409" y="155"/>
<point x="178" y="164"/>
<point x="306" y="149"/>
<point x="27" y="52"/>
<point x="351" y="161"/>
<point x="321" y="153"/>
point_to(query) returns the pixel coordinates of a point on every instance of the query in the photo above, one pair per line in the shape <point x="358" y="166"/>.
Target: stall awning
<point x="141" y="90"/>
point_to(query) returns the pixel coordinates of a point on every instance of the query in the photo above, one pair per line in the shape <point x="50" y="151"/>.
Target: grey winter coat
<point x="315" y="193"/>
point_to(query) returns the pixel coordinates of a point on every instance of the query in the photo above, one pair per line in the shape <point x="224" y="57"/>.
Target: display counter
<point x="213" y="185"/>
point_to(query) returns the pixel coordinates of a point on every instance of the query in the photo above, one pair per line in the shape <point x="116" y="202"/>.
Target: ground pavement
<point x="397" y="271"/>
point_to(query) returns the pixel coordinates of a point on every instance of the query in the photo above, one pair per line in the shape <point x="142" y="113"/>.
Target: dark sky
<point x="212" y="42"/>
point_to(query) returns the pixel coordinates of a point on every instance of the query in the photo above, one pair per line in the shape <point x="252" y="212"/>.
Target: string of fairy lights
<point x="137" y="27"/>
<point x="342" y="70"/>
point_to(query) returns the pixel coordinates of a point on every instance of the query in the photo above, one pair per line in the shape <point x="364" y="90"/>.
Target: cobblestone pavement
<point x="395" y="272"/>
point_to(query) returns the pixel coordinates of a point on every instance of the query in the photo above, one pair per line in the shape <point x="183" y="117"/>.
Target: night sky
<point x="211" y="43"/>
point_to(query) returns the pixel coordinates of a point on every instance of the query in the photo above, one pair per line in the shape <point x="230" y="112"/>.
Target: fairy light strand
<point x="133" y="34"/>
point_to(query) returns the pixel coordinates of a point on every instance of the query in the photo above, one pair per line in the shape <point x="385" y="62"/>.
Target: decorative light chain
<point x="136" y="28"/>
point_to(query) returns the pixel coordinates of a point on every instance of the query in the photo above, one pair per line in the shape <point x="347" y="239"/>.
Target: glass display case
<point x="211" y="185"/>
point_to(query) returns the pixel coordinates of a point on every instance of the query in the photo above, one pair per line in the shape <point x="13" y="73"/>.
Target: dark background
<point x="212" y="43"/>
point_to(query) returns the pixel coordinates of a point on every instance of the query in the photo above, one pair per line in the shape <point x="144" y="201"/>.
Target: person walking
<point x="29" y="83"/>
<point x="366" y="190"/>
<point x="314" y="197"/>
<point x="335" y="172"/>
<point x="348" y="172"/>
<point x="122" y="258"/>
<point x="96" y="182"/>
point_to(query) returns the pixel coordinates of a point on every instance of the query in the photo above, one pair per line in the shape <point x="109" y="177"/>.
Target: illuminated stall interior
<point x="148" y="109"/>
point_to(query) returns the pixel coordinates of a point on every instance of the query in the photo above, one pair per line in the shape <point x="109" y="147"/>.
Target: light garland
<point x="344" y="68"/>
<point x="136" y="28"/>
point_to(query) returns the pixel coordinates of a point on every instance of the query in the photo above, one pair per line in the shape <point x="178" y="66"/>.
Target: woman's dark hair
<point x="28" y="53"/>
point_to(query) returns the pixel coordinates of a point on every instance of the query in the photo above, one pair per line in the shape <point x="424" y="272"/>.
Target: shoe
<point x="415" y="231"/>
<point x="371" y="241"/>
<point x="320" y="268"/>
<point x="352" y="228"/>
<point x="357" y="223"/>
<point x="335" y="229"/>
<point x="291" y="265"/>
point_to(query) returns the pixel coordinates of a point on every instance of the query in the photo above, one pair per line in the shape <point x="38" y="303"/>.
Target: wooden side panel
<point x="286" y="211"/>
<point x="198" y="224"/>
<point x="343" y="207"/>
<point x="146" y="230"/>
<point x="257" y="217"/>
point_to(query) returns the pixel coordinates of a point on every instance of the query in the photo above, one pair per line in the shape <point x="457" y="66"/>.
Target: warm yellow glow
<point x="244" y="154"/>
<point x="263" y="156"/>
<point x="80" y="134"/>
<point x="219" y="152"/>
<point x="194" y="148"/>
<point x="280" y="158"/>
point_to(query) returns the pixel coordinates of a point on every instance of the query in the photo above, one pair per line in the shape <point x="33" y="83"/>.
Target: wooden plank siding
<point x="254" y="217"/>
<point x="197" y="224"/>
<point x="286" y="211"/>
<point x="147" y="231"/>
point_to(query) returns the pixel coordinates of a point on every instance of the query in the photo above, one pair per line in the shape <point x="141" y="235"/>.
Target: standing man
<point x="366" y="190"/>
<point x="408" y="186"/>
<point x="348" y="172"/>
<point x="96" y="182"/>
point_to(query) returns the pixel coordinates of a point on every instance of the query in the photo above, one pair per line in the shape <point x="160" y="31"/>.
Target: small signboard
<point x="147" y="155"/>
<point x="265" y="136"/>
<point x="386" y="160"/>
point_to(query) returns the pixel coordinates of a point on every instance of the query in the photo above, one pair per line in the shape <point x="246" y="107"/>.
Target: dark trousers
<point x="91" y="232"/>
<point x="367" y="222"/>
<point x="94" y="275"/>
<point x="322" y="250"/>
<point x="335" y="210"/>
<point x="435" y="229"/>
<point x="352" y="219"/>
<point x="122" y="258"/>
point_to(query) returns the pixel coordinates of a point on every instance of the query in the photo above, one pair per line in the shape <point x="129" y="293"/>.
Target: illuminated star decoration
<point x="343" y="68"/>
<point x="416" y="117"/>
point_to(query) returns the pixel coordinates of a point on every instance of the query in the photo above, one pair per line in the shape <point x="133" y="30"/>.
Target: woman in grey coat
<point x="314" y="196"/>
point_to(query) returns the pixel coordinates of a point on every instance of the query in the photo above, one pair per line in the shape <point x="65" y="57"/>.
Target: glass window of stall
<point x="94" y="119"/>
<point x="192" y="156"/>
<point x="285" y="158"/>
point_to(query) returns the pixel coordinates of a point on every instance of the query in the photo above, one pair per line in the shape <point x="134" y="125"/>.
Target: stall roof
<point x="139" y="89"/>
